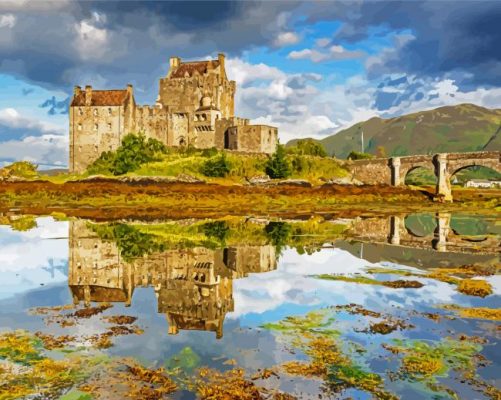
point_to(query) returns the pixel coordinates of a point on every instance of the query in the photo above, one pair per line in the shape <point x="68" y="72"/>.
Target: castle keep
<point x="195" y="106"/>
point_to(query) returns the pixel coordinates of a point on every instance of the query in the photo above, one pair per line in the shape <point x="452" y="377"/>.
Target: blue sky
<point x="310" y="68"/>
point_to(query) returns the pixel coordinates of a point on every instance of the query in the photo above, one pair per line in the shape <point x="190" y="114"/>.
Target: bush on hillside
<point x="355" y="155"/>
<point x="22" y="169"/>
<point x="308" y="147"/>
<point x="217" y="229"/>
<point x="134" y="151"/>
<point x="217" y="167"/>
<point x="278" y="166"/>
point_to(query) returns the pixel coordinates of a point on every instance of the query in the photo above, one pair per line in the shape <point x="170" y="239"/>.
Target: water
<point x="221" y="295"/>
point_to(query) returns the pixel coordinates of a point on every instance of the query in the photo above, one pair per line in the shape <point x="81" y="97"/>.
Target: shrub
<point x="216" y="167"/>
<point x="278" y="233"/>
<point x="355" y="155"/>
<point x="217" y="229"/>
<point x="308" y="147"/>
<point x="211" y="152"/>
<point x="22" y="169"/>
<point x="277" y="166"/>
<point x="134" y="151"/>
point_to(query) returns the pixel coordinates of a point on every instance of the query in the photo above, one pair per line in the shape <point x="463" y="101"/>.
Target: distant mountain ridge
<point x="459" y="128"/>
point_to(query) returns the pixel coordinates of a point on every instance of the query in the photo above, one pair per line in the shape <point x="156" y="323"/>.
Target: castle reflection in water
<point x="194" y="287"/>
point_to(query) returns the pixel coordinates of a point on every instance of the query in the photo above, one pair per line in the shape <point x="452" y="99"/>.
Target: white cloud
<point x="92" y="41"/>
<point x="48" y="150"/>
<point x="322" y="42"/>
<point x="10" y="117"/>
<point x="293" y="285"/>
<point x="286" y="39"/>
<point x="7" y="20"/>
<point x="333" y="53"/>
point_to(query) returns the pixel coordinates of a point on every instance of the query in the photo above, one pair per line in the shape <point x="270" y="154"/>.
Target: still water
<point x="362" y="308"/>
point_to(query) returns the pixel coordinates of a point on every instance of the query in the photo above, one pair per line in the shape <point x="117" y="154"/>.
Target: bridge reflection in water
<point x="193" y="287"/>
<point x="396" y="230"/>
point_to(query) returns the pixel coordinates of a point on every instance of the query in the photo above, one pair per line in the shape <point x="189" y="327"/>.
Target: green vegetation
<point x="217" y="167"/>
<point x="218" y="230"/>
<point x="134" y="151"/>
<point x="308" y="147"/>
<point x="278" y="166"/>
<point x="131" y="241"/>
<point x="421" y="177"/>
<point x="23" y="223"/>
<point x="426" y="361"/>
<point x="19" y="169"/>
<point x="136" y="240"/>
<point x="355" y="155"/>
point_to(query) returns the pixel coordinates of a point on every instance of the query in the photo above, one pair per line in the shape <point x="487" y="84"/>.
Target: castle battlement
<point x="195" y="106"/>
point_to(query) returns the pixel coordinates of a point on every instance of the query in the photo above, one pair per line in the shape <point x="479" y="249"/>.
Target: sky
<point x="310" y="68"/>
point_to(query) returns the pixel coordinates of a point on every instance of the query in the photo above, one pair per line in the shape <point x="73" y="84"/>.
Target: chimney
<point x="130" y="90"/>
<point x="221" y="58"/>
<point x="76" y="90"/>
<point x="88" y="95"/>
<point x="174" y="62"/>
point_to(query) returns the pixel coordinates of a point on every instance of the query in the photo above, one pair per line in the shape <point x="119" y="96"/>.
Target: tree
<point x="308" y="147"/>
<point x="216" y="167"/>
<point x="355" y="155"/>
<point x="134" y="151"/>
<point x="277" y="166"/>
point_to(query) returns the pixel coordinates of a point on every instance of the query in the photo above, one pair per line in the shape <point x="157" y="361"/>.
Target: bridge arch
<point x="419" y="175"/>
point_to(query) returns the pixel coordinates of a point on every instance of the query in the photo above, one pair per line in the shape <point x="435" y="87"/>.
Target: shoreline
<point x="111" y="199"/>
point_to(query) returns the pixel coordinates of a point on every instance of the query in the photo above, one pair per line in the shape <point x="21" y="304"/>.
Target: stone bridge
<point x="394" y="231"/>
<point x="393" y="171"/>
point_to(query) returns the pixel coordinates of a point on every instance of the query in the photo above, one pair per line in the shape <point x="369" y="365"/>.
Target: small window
<point x="95" y="127"/>
<point x="95" y="112"/>
<point x="79" y="127"/>
<point x="110" y="111"/>
<point x="109" y="126"/>
<point x="80" y="111"/>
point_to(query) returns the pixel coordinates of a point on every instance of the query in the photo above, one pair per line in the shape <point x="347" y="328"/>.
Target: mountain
<point x="460" y="128"/>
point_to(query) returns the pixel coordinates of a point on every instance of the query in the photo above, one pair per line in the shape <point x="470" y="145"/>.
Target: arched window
<point x="95" y="127"/>
<point x="95" y="112"/>
<point x="79" y="127"/>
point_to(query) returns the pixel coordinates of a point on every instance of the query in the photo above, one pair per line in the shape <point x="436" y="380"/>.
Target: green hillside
<point x="465" y="127"/>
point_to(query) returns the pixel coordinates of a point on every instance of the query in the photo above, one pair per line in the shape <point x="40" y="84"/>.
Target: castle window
<point x="109" y="111"/>
<point x="95" y="148"/>
<point x="109" y="126"/>
<point x="80" y="111"/>
<point x="95" y="112"/>
<point x="95" y="127"/>
<point x="79" y="127"/>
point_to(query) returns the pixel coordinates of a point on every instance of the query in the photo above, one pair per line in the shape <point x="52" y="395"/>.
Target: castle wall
<point x="94" y="130"/>
<point x="152" y="121"/>
<point x="253" y="138"/>
<point x="222" y="134"/>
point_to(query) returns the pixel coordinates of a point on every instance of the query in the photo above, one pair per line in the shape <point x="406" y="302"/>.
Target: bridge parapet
<point x="392" y="171"/>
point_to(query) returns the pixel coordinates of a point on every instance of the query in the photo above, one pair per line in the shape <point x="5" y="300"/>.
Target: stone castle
<point x="195" y="107"/>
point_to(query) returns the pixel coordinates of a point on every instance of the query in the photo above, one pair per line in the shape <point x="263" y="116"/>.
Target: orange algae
<point x="492" y="314"/>
<point x="232" y="384"/>
<point x="475" y="287"/>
